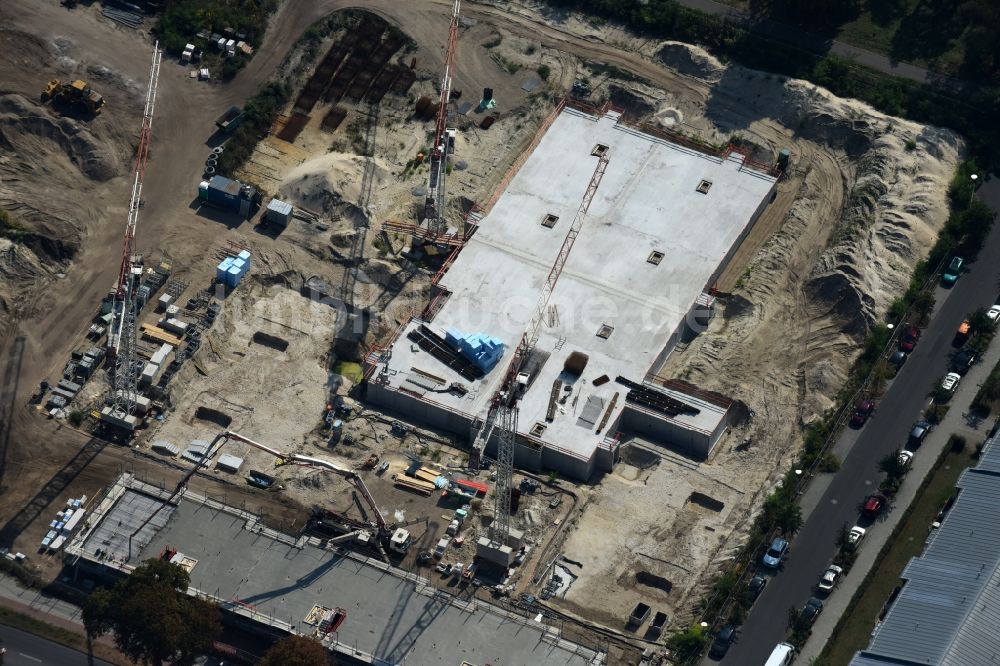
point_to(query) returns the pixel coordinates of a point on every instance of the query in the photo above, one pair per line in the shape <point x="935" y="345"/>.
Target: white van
<point x="781" y="655"/>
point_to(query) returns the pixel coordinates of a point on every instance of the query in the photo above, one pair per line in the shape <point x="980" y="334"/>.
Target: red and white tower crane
<point x="122" y="337"/>
<point x="444" y="138"/>
<point x="503" y="409"/>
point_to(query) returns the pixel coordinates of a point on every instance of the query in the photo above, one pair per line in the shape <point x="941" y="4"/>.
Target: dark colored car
<point x="963" y="360"/>
<point x="862" y="411"/>
<point x="908" y="338"/>
<point x="897" y="358"/>
<point x="755" y="587"/>
<point x="811" y="610"/>
<point x="725" y="638"/>
<point x="918" y="434"/>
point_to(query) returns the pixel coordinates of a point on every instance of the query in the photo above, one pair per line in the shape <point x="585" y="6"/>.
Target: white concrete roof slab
<point x="647" y="201"/>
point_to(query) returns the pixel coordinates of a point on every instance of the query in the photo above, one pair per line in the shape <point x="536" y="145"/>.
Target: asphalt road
<point x="24" y="649"/>
<point x="818" y="44"/>
<point x="814" y="546"/>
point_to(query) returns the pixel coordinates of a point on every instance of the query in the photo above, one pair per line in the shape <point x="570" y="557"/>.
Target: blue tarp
<point x="481" y="349"/>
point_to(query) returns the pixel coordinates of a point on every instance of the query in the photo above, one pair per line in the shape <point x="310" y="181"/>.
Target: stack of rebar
<point x="130" y="19"/>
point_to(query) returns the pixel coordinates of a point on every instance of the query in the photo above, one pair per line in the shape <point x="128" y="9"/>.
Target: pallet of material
<point x="157" y="333"/>
<point x="425" y="474"/>
<point x="423" y="487"/>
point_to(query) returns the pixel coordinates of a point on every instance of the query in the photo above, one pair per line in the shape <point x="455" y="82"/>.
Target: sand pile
<point x="690" y="60"/>
<point x="47" y="143"/>
<point x="20" y="270"/>
<point x="325" y="183"/>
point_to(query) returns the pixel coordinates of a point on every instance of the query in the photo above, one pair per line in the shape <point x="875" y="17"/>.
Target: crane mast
<point x="444" y="137"/>
<point x="122" y="337"/>
<point x="503" y="410"/>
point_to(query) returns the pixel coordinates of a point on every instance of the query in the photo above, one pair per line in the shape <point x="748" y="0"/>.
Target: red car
<point x="873" y="505"/>
<point x="909" y="337"/>
<point x="862" y="411"/>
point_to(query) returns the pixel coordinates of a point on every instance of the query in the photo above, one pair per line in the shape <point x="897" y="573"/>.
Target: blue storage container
<point x="241" y="265"/>
<point x="233" y="277"/>
<point x="222" y="269"/>
<point x="245" y="256"/>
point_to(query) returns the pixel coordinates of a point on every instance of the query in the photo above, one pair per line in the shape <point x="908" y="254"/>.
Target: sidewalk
<point x="878" y="533"/>
<point x="57" y="613"/>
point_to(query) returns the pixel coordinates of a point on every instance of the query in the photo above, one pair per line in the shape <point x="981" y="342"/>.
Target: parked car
<point x="755" y="587"/>
<point x="854" y="537"/>
<point x="873" y="505"/>
<point x="776" y="553"/>
<point x="862" y="411"/>
<point x="830" y="578"/>
<point x="962" y="334"/>
<point x="950" y="275"/>
<point x="950" y="382"/>
<point x="963" y="360"/>
<point x="725" y="638"/>
<point x="897" y="358"/>
<point x="993" y="313"/>
<point x="908" y="337"/>
<point x="919" y="433"/>
<point x="811" y="610"/>
<point x="905" y="457"/>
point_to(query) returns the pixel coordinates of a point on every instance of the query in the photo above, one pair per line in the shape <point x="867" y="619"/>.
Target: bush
<point x="544" y="72"/>
<point x="260" y="113"/>
<point x="183" y="19"/>
<point x="688" y="643"/>
<point x="957" y="443"/>
<point x="76" y="417"/>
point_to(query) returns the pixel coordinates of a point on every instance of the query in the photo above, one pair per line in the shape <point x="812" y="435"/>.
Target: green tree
<point x="152" y="618"/>
<point x="891" y="466"/>
<point x="296" y="651"/>
<point x="687" y="644"/>
<point x="923" y="305"/>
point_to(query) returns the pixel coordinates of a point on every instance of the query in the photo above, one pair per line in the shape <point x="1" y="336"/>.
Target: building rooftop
<point x="948" y="611"/>
<point x="393" y="616"/>
<point x="649" y="247"/>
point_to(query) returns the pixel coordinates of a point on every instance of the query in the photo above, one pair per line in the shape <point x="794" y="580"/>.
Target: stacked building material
<point x="231" y="270"/>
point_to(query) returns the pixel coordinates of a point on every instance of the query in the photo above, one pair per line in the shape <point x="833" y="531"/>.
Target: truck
<point x="400" y="541"/>
<point x="230" y="120"/>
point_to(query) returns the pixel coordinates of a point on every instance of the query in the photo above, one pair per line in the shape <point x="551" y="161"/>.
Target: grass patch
<point x="351" y="371"/>
<point x="11" y="618"/>
<point x="853" y="631"/>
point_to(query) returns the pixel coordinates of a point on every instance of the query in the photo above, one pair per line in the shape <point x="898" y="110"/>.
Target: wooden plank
<point x="607" y="413"/>
<point x="410" y="484"/>
<point x="157" y="333"/>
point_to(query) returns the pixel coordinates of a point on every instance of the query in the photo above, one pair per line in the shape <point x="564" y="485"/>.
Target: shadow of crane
<point x="11" y="379"/>
<point x="357" y="253"/>
<point x="390" y="652"/>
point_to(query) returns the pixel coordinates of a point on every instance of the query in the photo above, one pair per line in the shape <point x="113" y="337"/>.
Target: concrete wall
<point x="656" y="428"/>
<point x="527" y="455"/>
<point x="746" y="232"/>
<point x="419" y="411"/>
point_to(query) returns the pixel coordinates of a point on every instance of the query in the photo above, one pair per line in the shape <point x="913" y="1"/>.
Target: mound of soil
<point x="30" y="132"/>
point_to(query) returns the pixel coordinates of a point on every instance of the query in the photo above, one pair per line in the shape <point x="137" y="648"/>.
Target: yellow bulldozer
<point x="77" y="94"/>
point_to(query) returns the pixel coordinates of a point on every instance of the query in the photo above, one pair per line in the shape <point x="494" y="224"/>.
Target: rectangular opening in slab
<point x="550" y="220"/>
<point x="605" y="331"/>
<point x="537" y="429"/>
<point x="655" y="257"/>
<point x="704" y="186"/>
<point x="599" y="150"/>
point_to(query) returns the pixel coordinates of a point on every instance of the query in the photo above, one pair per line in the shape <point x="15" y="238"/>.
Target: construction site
<point x="507" y="324"/>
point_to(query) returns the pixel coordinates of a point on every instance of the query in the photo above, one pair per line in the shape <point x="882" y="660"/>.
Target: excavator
<point x="78" y="94"/>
